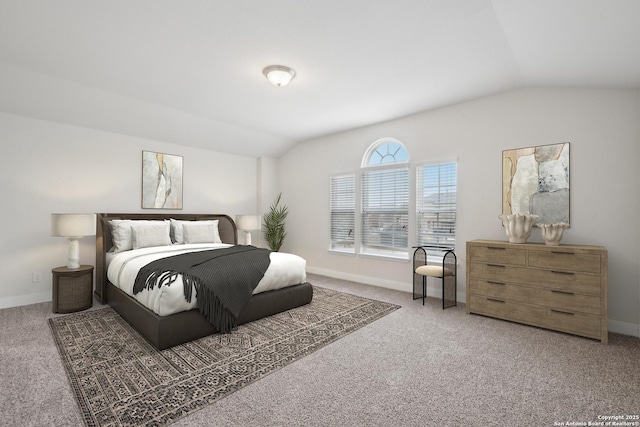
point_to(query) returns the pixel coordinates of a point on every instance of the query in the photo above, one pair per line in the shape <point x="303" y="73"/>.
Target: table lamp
<point x="247" y="223"/>
<point x="73" y="227"/>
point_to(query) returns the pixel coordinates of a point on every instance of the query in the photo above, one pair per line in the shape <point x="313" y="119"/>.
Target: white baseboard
<point x="383" y="283"/>
<point x="615" y="326"/>
<point x="623" y="328"/>
<point x="432" y="291"/>
<point x="25" y="300"/>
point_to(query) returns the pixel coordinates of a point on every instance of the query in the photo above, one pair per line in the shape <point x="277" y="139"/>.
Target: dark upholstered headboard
<point x="226" y="227"/>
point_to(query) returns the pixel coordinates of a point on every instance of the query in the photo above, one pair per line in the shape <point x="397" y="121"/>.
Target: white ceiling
<point x="190" y="71"/>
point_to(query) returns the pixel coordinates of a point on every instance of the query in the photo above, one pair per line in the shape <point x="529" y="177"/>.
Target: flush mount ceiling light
<point x="279" y="75"/>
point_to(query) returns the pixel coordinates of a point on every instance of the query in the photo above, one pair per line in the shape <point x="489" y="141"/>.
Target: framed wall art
<point x="161" y="181"/>
<point x="535" y="180"/>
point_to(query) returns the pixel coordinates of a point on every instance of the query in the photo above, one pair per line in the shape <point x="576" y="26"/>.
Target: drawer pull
<point x="562" y="312"/>
<point x="496" y="300"/>
<point x="495" y="248"/>
<point x="495" y="265"/>
<point x="563" y="252"/>
<point x="563" y="272"/>
<point x="562" y="292"/>
<point x="496" y="283"/>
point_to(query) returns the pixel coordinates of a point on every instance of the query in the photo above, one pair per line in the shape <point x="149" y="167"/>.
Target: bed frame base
<point x="168" y="331"/>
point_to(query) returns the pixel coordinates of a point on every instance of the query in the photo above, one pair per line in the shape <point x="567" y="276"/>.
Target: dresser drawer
<point x="560" y="320"/>
<point x="551" y="298"/>
<point x="497" y="253"/>
<point x="562" y="259"/>
<point x="553" y="279"/>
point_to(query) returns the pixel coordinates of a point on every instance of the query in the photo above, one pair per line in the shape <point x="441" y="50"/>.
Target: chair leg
<point x="455" y="292"/>
<point x="424" y="288"/>
<point x="415" y="294"/>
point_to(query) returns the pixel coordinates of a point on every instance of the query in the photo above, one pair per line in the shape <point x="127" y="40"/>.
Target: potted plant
<point x="274" y="232"/>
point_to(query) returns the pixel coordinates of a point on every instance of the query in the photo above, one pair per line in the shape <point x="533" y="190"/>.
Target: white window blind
<point x="436" y="204"/>
<point x="385" y="211"/>
<point x="343" y="214"/>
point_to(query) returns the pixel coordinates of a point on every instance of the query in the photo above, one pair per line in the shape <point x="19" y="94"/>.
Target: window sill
<point x="339" y="252"/>
<point x="386" y="257"/>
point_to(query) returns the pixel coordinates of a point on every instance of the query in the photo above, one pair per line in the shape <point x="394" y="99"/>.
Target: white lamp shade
<point x="73" y="225"/>
<point x="279" y="75"/>
<point x="248" y="222"/>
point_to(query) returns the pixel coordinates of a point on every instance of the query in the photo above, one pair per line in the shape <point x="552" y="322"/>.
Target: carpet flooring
<point x="418" y="366"/>
<point x="121" y="380"/>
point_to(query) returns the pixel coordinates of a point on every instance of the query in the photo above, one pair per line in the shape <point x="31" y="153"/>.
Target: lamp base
<point x="73" y="261"/>
<point x="247" y="238"/>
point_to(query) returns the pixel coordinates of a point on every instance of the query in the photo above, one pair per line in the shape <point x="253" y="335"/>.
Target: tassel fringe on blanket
<point x="224" y="280"/>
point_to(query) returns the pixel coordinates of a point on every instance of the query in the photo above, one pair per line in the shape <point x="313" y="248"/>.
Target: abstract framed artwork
<point x="535" y="180"/>
<point x="161" y="181"/>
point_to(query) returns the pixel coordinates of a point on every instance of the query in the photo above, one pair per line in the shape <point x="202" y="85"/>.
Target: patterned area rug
<point x="121" y="380"/>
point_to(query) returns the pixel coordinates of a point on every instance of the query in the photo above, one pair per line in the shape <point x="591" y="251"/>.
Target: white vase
<point x="552" y="233"/>
<point x="518" y="226"/>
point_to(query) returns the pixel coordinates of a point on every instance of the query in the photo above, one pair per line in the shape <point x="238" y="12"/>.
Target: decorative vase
<point x="518" y="226"/>
<point x="552" y="233"/>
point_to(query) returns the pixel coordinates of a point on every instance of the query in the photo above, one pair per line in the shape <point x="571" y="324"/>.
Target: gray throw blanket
<point x="224" y="279"/>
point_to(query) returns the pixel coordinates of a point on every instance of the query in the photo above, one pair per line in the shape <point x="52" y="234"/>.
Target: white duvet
<point x="284" y="270"/>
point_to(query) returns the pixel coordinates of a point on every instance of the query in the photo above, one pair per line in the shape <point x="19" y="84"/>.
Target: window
<point x="436" y="204"/>
<point x="384" y="151"/>
<point x="385" y="199"/>
<point x="381" y="195"/>
<point x="343" y="214"/>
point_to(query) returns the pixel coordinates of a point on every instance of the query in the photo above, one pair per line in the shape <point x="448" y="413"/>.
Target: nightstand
<point x="72" y="289"/>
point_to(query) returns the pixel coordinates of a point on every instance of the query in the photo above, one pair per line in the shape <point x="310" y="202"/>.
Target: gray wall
<point x="601" y="125"/>
<point x="54" y="168"/>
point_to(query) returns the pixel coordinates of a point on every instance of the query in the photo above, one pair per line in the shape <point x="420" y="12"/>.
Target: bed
<point x="164" y="331"/>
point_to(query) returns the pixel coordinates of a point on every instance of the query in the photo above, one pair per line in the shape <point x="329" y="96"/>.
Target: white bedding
<point x="284" y="270"/>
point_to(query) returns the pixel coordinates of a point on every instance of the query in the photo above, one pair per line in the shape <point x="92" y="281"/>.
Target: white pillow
<point x="145" y="235"/>
<point x="177" y="230"/>
<point x="201" y="232"/>
<point x="121" y="232"/>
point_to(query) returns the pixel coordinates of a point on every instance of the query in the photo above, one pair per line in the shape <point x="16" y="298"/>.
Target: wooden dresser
<point x="563" y="287"/>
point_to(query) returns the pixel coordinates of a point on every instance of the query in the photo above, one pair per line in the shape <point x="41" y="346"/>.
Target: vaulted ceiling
<point x="190" y="71"/>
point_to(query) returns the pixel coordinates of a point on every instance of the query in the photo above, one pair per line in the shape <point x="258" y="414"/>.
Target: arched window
<point x="385" y="151"/>
<point x="385" y="199"/>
